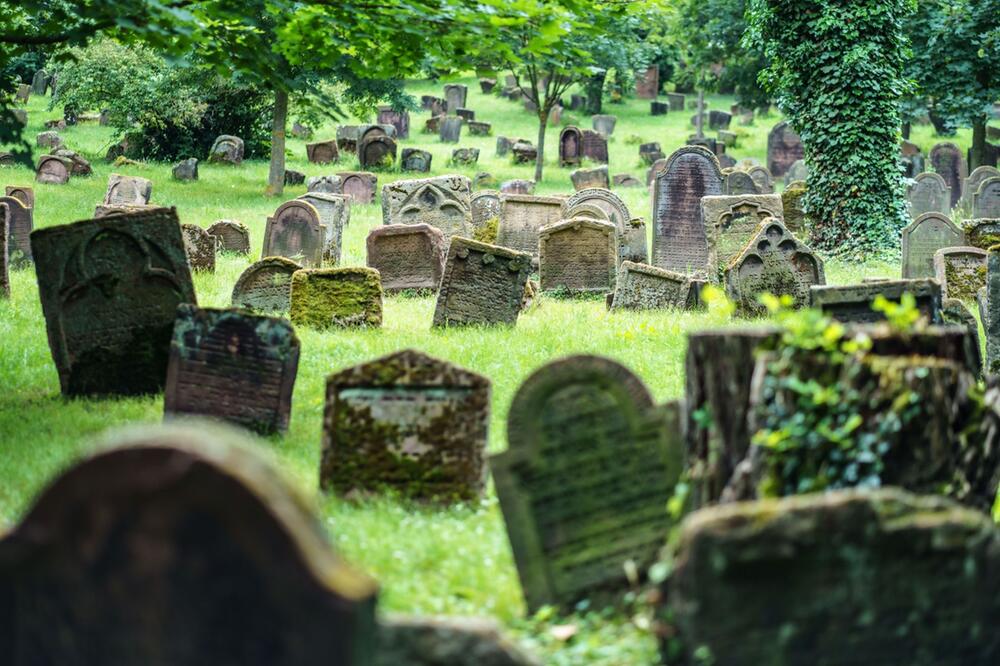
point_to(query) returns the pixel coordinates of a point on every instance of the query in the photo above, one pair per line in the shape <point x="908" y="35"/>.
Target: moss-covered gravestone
<point x="231" y="236"/>
<point x="730" y="221"/>
<point x="127" y="191"/>
<point x="233" y="366"/>
<point x="853" y="303"/>
<point x="983" y="234"/>
<point x="922" y="238"/>
<point x="577" y="256"/>
<point x="295" y="231"/>
<point x="336" y="297"/>
<point x="200" y="247"/>
<point x="407" y="256"/>
<point x="603" y="204"/>
<point x="20" y="222"/>
<point x="409" y="423"/>
<point x="644" y="287"/>
<point x="178" y="547"/>
<point x="266" y="285"/>
<point x="584" y="484"/>
<point x="485" y="206"/>
<point x="110" y="290"/>
<point x="482" y="284"/>
<point x="961" y="271"/>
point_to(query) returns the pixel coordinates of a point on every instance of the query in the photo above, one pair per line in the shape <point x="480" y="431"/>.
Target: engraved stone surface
<point x="577" y="256"/>
<point x="359" y="185"/>
<point x="853" y="303"/>
<point x="948" y="162"/>
<point x="986" y="201"/>
<point x="20" y="223"/>
<point x="450" y="129"/>
<point x="784" y="148"/>
<point x="730" y="221"/>
<point x="521" y="216"/>
<point x="266" y="285"/>
<point x="325" y="184"/>
<point x="414" y="159"/>
<point x="961" y="271"/>
<point x="334" y="214"/>
<point x="377" y="152"/>
<point x="596" y="177"/>
<point x="295" y="232"/>
<point x="336" y="297"/>
<point x="227" y="149"/>
<point x="231" y="236"/>
<point x="601" y="204"/>
<point x="25" y="195"/>
<point x="443" y="202"/>
<point x="398" y="119"/>
<point x="971" y="184"/>
<point x="199" y="246"/>
<point x="455" y="95"/>
<point x="922" y="238"/>
<point x="594" y="146"/>
<point x="570" y="146"/>
<point x="485" y="207"/>
<point x="407" y="256"/>
<point x="928" y="194"/>
<point x="482" y="284"/>
<point x="323" y="152"/>
<point x="739" y="182"/>
<point x="644" y="287"/>
<point x="53" y="170"/>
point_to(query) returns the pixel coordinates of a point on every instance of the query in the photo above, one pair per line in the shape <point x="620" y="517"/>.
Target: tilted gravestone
<point x="680" y="242"/>
<point x="961" y="271"/>
<point x="110" y="290"/>
<point x="414" y="159"/>
<point x="644" y="287"/>
<point x="762" y="179"/>
<point x="193" y="550"/>
<point x="485" y="215"/>
<point x="231" y="236"/>
<point x="929" y="193"/>
<point x="739" y="182"/>
<point x="266" y="285"/>
<point x="443" y="202"/>
<point x="4" y="263"/>
<point x="602" y="204"/>
<point x="784" y="148"/>
<point x="577" y="256"/>
<point x="199" y="246"/>
<point x="451" y="129"/>
<point x="570" y="146"/>
<point x="590" y="466"/>
<point x="227" y="149"/>
<point x="359" y="185"/>
<point x="772" y="262"/>
<point x="233" y="366"/>
<point x="482" y="284"/>
<point x="853" y="303"/>
<point x="521" y="216"/>
<point x="79" y="166"/>
<point x="971" y="184"/>
<point x="20" y="221"/>
<point x="377" y="152"/>
<point x="398" y="119"/>
<point x="407" y="256"/>
<point x="53" y="170"/>
<point x="336" y="297"/>
<point x="406" y="422"/>
<point x="334" y="214"/>
<point x="594" y="146"/>
<point x="584" y="179"/>
<point x="25" y="195"/>
<point x="986" y="201"/>
<point x="922" y="238"/>
<point x="604" y="124"/>
<point x="455" y="95"/>
<point x="323" y="152"/>
<point x="730" y="221"/>
<point x="295" y="232"/>
<point x="947" y="161"/>
<point x="325" y="184"/>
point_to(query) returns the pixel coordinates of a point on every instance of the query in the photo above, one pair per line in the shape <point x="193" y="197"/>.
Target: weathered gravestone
<point x="455" y="94"/>
<point x="407" y="256"/>
<point x="266" y="285"/>
<point x="986" y="201"/>
<point x="103" y="210"/>
<point x="929" y="193"/>
<point x="679" y="236"/>
<point x="53" y="170"/>
<point x="971" y="184"/>
<point x="793" y="206"/>
<point x="334" y="214"/>
<point x="521" y="216"/>
<point x="479" y="128"/>
<point x="414" y="159"/>
<point x="659" y="108"/>
<point x="991" y="322"/>
<point x="186" y="169"/>
<point x="347" y="138"/>
<point x="517" y="186"/>
<point x="465" y="114"/>
<point x="199" y="246"/>
<point x="647" y="83"/>
<point x="961" y="271"/>
<point x="739" y="182"/>
<point x="192" y="549"/>
<point x="295" y="232"/>
<point x="922" y="238"/>
<point x="947" y="161"/>
<point x="325" y="184"/>
<point x="227" y="149"/>
<point x="450" y="130"/>
<point x="485" y="215"/>
<point x="48" y="140"/>
<point x="110" y="290"/>
<point x="625" y="180"/>
<point x="983" y="234"/>
<point x="853" y="303"/>
<point x="323" y="152"/>
<point x="590" y="466"/>
<point x="570" y="146"/>
<point x="398" y="119"/>
<point x="676" y="101"/>
<point x="523" y="152"/>
<point x="729" y="223"/>
<point x="232" y="366"/>
<point x="127" y="191"/>
<point x="484" y="180"/>
<point x="797" y="171"/>
<point x="784" y="148"/>
<point x="377" y="152"/>
<point x="719" y="120"/>
<point x="604" y="124"/>
<point x="482" y="284"/>
<point x="4" y="264"/>
<point x="644" y="287"/>
<point x="762" y="179"/>
<point x="231" y="236"/>
<point x="465" y="156"/>
<point x="577" y="256"/>
<point x="503" y="146"/>
<point x="597" y="177"/>
<point x="409" y="422"/>
<point x="25" y="195"/>
<point x="336" y="297"/>
<point x="79" y="166"/>
<point x="359" y="185"/>
<point x="39" y="82"/>
<point x="774" y="262"/>
<point x="20" y="221"/>
<point x="602" y="204"/>
<point x="443" y="202"/>
<point x="594" y="146"/>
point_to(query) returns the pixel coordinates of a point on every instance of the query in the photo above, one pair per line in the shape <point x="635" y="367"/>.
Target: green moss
<point x="336" y="297"/>
<point x="487" y="233"/>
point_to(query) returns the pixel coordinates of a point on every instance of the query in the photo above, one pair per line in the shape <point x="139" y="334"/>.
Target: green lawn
<point x="448" y="561"/>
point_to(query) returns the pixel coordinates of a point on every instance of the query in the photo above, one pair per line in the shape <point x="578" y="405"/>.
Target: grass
<point x="448" y="561"/>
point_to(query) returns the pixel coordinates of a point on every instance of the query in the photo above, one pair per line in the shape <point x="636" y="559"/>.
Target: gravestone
<point x="334" y="214"/>
<point x="293" y="177"/>
<point x="929" y="193"/>
<point x="853" y="303"/>
<point x="650" y="152"/>
<point x="604" y="205"/>
<point x="377" y="152"/>
<point x="127" y="191"/>
<point x="570" y="146"/>
<point x="594" y="146"/>
<point x="922" y="238"/>
<point x="455" y="95"/>
<point x="451" y="129"/>
<point x="79" y="165"/>
<point x="676" y="101"/>
<point x="266" y="285"/>
<point x="227" y="149"/>
<point x="626" y="180"/>
<point x="986" y="201"/>
<point x="325" y="184"/>
<point x="25" y="195"/>
<point x="640" y="286"/>
<point x="517" y="186"/>
<point x="719" y="120"/>
<point x="730" y="221"/>
<point x="577" y="425"/>
<point x="521" y="216"/>
<point x="102" y="210"/>
<point x="774" y="262"/>
<point x="971" y="184"/>
<point x="4" y="263"/>
<point x="323" y="152"/>
<point x="414" y="159"/>
<point x="295" y="232"/>
<point x="659" y="108"/>
<point x="359" y="186"/>
<point x="186" y="170"/>
<point x="347" y="138"/>
<point x="39" y="82"/>
<point x="20" y="221"/>
<point x="524" y="152"/>
<point x="231" y="236"/>
<point x="947" y="161"/>
<point x="991" y="322"/>
<point x="797" y="171"/>
<point x="647" y="83"/>
<point x="961" y="271"/>
<point x="793" y="204"/>
<point x="48" y="140"/>
<point x="464" y="156"/>
<point x="407" y="256"/>
<point x="604" y="124"/>
<point x="577" y="256"/>
<point x="679" y="236"/>
<point x="325" y="298"/>
<point x="407" y="422"/>
<point x="597" y="177"/>
<point x="503" y="146"/>
<point x="443" y="202"/>
<point x="479" y="128"/>
<point x="233" y="366"/>
<point x="485" y="207"/>
<point x="482" y="284"/>
<point x="784" y="148"/>
<point x="398" y="119"/>
<point x="465" y="114"/>
<point x="300" y="131"/>
<point x="193" y="549"/>
<point x="739" y="182"/>
<point x="53" y="170"/>
<point x="651" y="172"/>
<point x="983" y="234"/>
<point x="762" y="179"/>
<point x="109" y="290"/>
<point x="199" y="246"/>
<point x="486" y="86"/>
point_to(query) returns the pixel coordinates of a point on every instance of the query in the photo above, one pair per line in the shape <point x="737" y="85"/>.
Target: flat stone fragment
<point x="199" y="245"/>
<point x="231" y="236"/>
<point x="359" y="185"/>
<point x="929" y="193"/>
<point x="266" y="285"/>
<point x="443" y="202"/>
<point x="20" y="221"/>
<point x="521" y="216"/>
<point x="336" y="298"/>
<point x="227" y="149"/>
<point x="482" y="284"/>
<point x="596" y="177"/>
<point x="730" y="221"/>
<point x="193" y="549"/>
<point x="295" y="231"/>
<point x="577" y="256"/>
<point x="334" y="214"/>
<point x="423" y="641"/>
<point x="961" y="271"/>
<point x="110" y="290"/>
<point x="644" y="287"/>
<point x="53" y="170"/>
<point x="407" y="256"/>
<point x="233" y="366"/>
<point x="406" y="422"/>
<point x="922" y="238"/>
<point x="853" y="303"/>
<point x="107" y="210"/>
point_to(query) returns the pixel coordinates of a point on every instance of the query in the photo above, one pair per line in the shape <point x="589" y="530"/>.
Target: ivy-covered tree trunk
<point x="276" y="172"/>
<point x="595" y="92"/>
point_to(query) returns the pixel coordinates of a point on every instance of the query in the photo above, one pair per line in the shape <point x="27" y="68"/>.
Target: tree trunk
<point x="595" y="92"/>
<point x="977" y="156"/>
<point x="276" y="173"/>
<point x="699" y="119"/>
<point x="543" y="121"/>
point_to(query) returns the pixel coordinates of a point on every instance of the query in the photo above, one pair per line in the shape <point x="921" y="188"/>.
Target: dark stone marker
<point x="659" y="165"/>
<point x="347" y="138"/>
<point x="451" y="129"/>
<point x="25" y="195"/>
<point x="719" y="120"/>
<point x="377" y="152"/>
<point x="414" y="159"/>
<point x="676" y="101"/>
<point x="594" y="146"/>
<point x="110" y="290"/>
<point x="647" y="83"/>
<point x="398" y="119"/>
<point x="199" y="245"/>
<point x="20" y="222"/>
<point x="266" y="285"/>
<point x="922" y="238"/>
<point x="334" y="214"/>
<point x="570" y="146"/>
<point x="53" y="170"/>
<point x="644" y="287"/>
<point x="465" y="156"/>
<point x="407" y="256"/>
<point x="409" y="422"/>
<point x="227" y="149"/>
<point x="486" y="85"/>
<point x="784" y="148"/>
<point x="961" y="271"/>
<point x="295" y="232"/>
<point x="455" y="94"/>
<point x="359" y="185"/>
<point x="232" y="366"/>
<point x="443" y="202"/>
<point x="79" y="165"/>
<point x="853" y="303"/>
<point x="584" y="179"/>
<point x="482" y="284"/>
<point x="39" y="82"/>
<point x="323" y="152"/>
<point x="186" y="169"/>
<point x="521" y="216"/>
<point x="947" y="161"/>
<point x="193" y="550"/>
<point x="466" y="114"/>
<point x="986" y="200"/>
<point x="928" y="194"/>
<point x="584" y="483"/>
<point x="336" y="297"/>
<point x="503" y="146"/>
<point x="577" y="256"/>
<point x="650" y="152"/>
<point x="231" y="236"/>
<point x="479" y="128"/>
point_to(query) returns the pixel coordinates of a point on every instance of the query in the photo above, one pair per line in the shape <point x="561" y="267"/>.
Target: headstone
<point x="325" y="184"/>
<point x="577" y="425"/>
<point x="226" y="149"/>
<point x="650" y="152"/>
<point x="106" y="210"/>
<point x="647" y="83"/>
<point x="466" y="114"/>
<point x="626" y="180"/>
<point x="109" y="290"/>
<point x="406" y="422"/>
<point x="359" y="186"/>
<point x="451" y="129"/>
<point x="347" y="138"/>
<point x="517" y="186"/>
<point x="486" y="85"/>
<point x="185" y="169"/>
<point x="199" y="245"/>
<point x="455" y="94"/>
<point x="485" y="207"/>
<point x="25" y="195"/>
<point x="48" y="140"/>
<point x="300" y="131"/>
<point x="570" y="146"/>
<point x="730" y="221"/>
<point x="659" y="108"/>
<point x="762" y="178"/>
<point x="922" y="238"/>
<point x="23" y="93"/>
<point x="594" y="146"/>
<point x="334" y="214"/>
<point x="659" y="165"/>
<point x="19" y="223"/>
<point x="961" y="271"/>
<point x="128" y="191"/>
<point x="797" y="171"/>
<point x="231" y="236"/>
<point x="323" y="152"/>
<point x="928" y="194"/>
<point x="719" y="120"/>
<point x="325" y="298"/>
<point x="971" y="184"/>
<point x="983" y="234"/>
<point x="853" y="303"/>
<point x="676" y="101"/>
<point x="233" y="366"/>
<point x="604" y="124"/>
<point x="524" y="153"/>
<point x="521" y="216"/>
<point x="465" y="156"/>
<point x="597" y="177"/>
<point x="266" y="285"/>
<point x="503" y="146"/>
<point x="784" y="148"/>
<point x="604" y="205"/>
<point x="482" y="284"/>
<point x="398" y="119"/>
<point x="293" y="177"/>
<point x="39" y="82"/>
<point x="53" y="170"/>
<point x="80" y="165"/>
<point x="739" y="182"/>
<point x="577" y="256"/>
<point x="295" y="232"/>
<point x="947" y="161"/>
<point x="407" y="256"/>
<point x="640" y="286"/>
<point x="377" y="152"/>
<point x="479" y="128"/>
<point x="986" y="201"/>
<point x="443" y="202"/>
<point x="414" y="159"/>
<point x="679" y="236"/>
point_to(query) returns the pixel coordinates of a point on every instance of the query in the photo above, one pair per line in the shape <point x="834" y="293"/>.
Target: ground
<point x="429" y="561"/>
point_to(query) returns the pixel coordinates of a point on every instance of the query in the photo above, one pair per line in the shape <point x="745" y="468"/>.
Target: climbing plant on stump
<point x="835" y="69"/>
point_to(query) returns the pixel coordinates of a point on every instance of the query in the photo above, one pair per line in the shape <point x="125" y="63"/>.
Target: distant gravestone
<point x="295" y="232"/>
<point x="604" y="124"/>
<point x="594" y="146"/>
<point x="647" y="83"/>
<point x="676" y="101"/>
<point x="986" y="201"/>
<point x="485" y="214"/>
<point x="323" y="152"/>
<point x="584" y="179"/>
<point x="266" y="285"/>
<point x="186" y="170"/>
<point x="406" y="422"/>
<point x="971" y="184"/>
<point x="347" y="138"/>
<point x="377" y="152"/>
<point x="739" y="182"/>
<point x="79" y="166"/>
<point x="231" y="236"/>
<point x="359" y="186"/>
<point x="109" y="290"/>
<point x="983" y="234"/>
<point x="576" y="425"/>
<point x="53" y="170"/>
<point x="577" y="256"/>
<point x="730" y="221"/>
<point x="762" y="179"/>
<point x="443" y="202"/>
<point x="414" y="159"/>
<point x="961" y="271"/>
<point x="651" y="172"/>
<point x="4" y="262"/>
<point x="48" y="140"/>
<point x="39" y="82"/>
<point x="232" y="366"/>
<point x="479" y="128"/>
<point x="455" y="95"/>
<point x="521" y="216"/>
<point x="797" y="171"/>
<point x="482" y="284"/>
<point x="853" y="303"/>
<point x="334" y="214"/>
<point x="922" y="238"/>
<point x="193" y="549"/>
<point x="326" y="184"/>
<point x="793" y="204"/>
<point x="450" y="130"/>
<point x="25" y="195"/>
<point x="570" y="146"/>
<point x="659" y="108"/>
<point x="199" y="246"/>
<point x="947" y="161"/>
<point x="517" y="186"/>
<point x="407" y="256"/>
<point x="626" y="180"/>
<point x="929" y="193"/>
<point x="398" y="119"/>
<point x="128" y="191"/>
<point x="643" y="287"/>
<point x="103" y="210"/>
<point x="336" y="298"/>
<point x="719" y="120"/>
<point x="227" y="149"/>
<point x="465" y="156"/>
<point x="784" y="148"/>
<point x="503" y="146"/>
<point x="523" y="152"/>
<point x="679" y="237"/>
<point x="465" y="114"/>
<point x="20" y="221"/>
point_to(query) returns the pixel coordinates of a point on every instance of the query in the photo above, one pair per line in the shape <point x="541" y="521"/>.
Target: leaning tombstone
<point x="233" y="366"/>
<point x="295" y="231"/>
<point x="407" y="256"/>
<point x="986" y="200"/>
<point x="231" y="236"/>
<point x="929" y="193"/>
<point x="443" y="202"/>
<point x="19" y="223"/>
<point x="577" y="424"/>
<point x="226" y="149"/>
<point x="414" y="159"/>
<point x="451" y="129"/>
<point x="406" y="422"/>
<point x="127" y="191"/>
<point x="377" y="152"/>
<point x="325" y="184"/>
<point x="577" y="256"/>
<point x="784" y="148"/>
<point x="323" y="152"/>
<point x="334" y="214"/>
<point x="521" y="216"/>
<point x="948" y="162"/>
<point x="48" y="140"/>
<point x="730" y="222"/>
<point x="922" y="238"/>
<point x="25" y="195"/>
<point x="266" y="285"/>
<point x="110" y="290"/>
<point x="199" y="245"/>
<point x="53" y="170"/>
<point x="604" y="124"/>
<point x="482" y="284"/>
<point x="853" y="303"/>
<point x="359" y="185"/>
<point x="961" y="271"/>
<point x="336" y="298"/>
<point x="640" y="286"/>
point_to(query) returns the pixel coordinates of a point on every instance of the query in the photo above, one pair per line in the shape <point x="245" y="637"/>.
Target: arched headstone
<point x="986" y="202"/>
<point x="922" y="238"/>
<point x="972" y="183"/>
<point x="53" y="170"/>
<point x="295" y="231"/>
<point x="443" y="202"/>
<point x="928" y="194"/>
<point x="231" y="236"/>
<point x="20" y="223"/>
<point x="570" y="146"/>
<point x="949" y="163"/>
<point x="266" y="285"/>
<point x="376" y="152"/>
